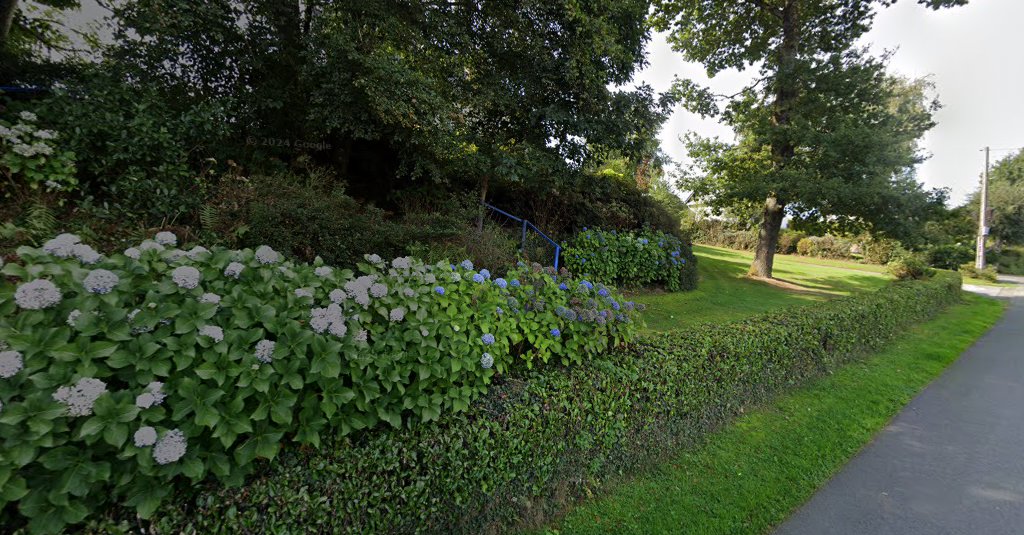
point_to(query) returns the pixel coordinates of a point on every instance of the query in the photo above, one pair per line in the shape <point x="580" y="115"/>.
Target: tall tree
<point x="802" y="123"/>
<point x="1005" y="199"/>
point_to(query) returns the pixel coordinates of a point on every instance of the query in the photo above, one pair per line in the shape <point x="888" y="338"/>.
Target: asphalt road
<point x="952" y="462"/>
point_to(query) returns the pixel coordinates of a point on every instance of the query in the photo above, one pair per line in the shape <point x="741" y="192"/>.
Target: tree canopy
<point x="824" y="133"/>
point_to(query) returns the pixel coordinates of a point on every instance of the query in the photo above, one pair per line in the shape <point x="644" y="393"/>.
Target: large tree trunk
<point x="768" y="238"/>
<point x="787" y="90"/>
<point x="7" y="9"/>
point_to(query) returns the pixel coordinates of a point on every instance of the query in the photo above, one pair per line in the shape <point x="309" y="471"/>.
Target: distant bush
<point x="120" y="374"/>
<point x="880" y="250"/>
<point x="788" y="240"/>
<point x="806" y="247"/>
<point x="949" y="256"/>
<point x="717" y="233"/>
<point x="633" y="259"/>
<point x="988" y="274"/>
<point x="906" y="265"/>
<point x="542" y="440"/>
<point x="1009" y="258"/>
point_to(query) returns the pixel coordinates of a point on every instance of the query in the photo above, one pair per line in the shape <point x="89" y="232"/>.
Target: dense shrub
<point x="949" y="256"/>
<point x="970" y="270"/>
<point x="788" y="240"/>
<point x="536" y="442"/>
<point x="880" y="250"/>
<point x="634" y="259"/>
<point x="907" y="265"/>
<point x="805" y="247"/>
<point x="121" y="373"/>
<point x="1010" y="259"/>
<point x="718" y="233"/>
<point x="135" y="152"/>
<point x="33" y="156"/>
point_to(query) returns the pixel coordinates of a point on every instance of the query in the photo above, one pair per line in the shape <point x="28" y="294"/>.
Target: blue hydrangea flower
<point x="486" y="273"/>
<point x="466" y="264"/>
<point x="616" y="305"/>
<point x="675" y="254"/>
<point x="439" y="290"/>
<point x="500" y="283"/>
<point x="478" y="278"/>
<point x="487" y="339"/>
<point x="500" y="311"/>
<point x="588" y="284"/>
<point x="643" y="241"/>
<point x="515" y="283"/>
<point x="563" y="286"/>
<point x="556" y="333"/>
<point x="603" y="292"/>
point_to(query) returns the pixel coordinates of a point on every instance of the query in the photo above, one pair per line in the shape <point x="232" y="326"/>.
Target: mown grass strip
<point x="751" y="475"/>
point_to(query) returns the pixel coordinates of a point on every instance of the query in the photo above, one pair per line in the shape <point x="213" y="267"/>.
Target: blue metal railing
<point x="526" y="224"/>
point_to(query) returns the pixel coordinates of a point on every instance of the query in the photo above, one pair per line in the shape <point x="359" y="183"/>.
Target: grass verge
<point x="724" y="293"/>
<point x="751" y="475"/>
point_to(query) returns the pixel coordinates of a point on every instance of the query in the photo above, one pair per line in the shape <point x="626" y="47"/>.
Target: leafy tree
<point x="822" y="131"/>
<point x="446" y="90"/>
<point x="1006" y="200"/>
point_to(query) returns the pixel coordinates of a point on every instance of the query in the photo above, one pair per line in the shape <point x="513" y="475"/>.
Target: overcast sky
<point x="974" y="53"/>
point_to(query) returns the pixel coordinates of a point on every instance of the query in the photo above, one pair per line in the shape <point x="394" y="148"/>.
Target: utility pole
<point x="979" y="260"/>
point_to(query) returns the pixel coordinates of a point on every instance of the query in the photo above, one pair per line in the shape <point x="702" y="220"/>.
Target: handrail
<point x="522" y="245"/>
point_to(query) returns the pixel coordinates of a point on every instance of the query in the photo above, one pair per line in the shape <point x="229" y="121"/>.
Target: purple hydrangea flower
<point x="487" y="339"/>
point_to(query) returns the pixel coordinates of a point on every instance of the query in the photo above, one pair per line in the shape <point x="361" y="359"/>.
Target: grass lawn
<point x="748" y="477"/>
<point x="724" y="292"/>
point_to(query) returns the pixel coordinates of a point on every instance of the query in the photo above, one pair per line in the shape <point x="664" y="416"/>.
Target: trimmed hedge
<point x="633" y="259"/>
<point x="538" y="442"/>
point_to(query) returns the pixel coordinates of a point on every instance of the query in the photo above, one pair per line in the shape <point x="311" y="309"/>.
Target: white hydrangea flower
<point x="363" y="300"/>
<point x="233" y="270"/>
<point x="133" y="253"/>
<point x="63" y="246"/>
<point x="338" y="328"/>
<point x="28" y="116"/>
<point x="424" y="331"/>
<point x="409" y="292"/>
<point x="100" y="281"/>
<point x="150" y="245"/>
<point x="265" y="350"/>
<point x="186" y="277"/>
<point x="145" y="436"/>
<point x="378" y="290"/>
<point x="303" y="292"/>
<point x="175" y="255"/>
<point x="337" y="295"/>
<point x="486" y="361"/>
<point x="145" y="400"/>
<point x="79" y="398"/>
<point x="42" y="148"/>
<point x="373" y="258"/>
<point x="86" y="254"/>
<point x="404" y="262"/>
<point x="429" y="278"/>
<point x="155" y="390"/>
<point x="323" y="271"/>
<point x="132" y="314"/>
<point x="328" y="319"/>
<point x="213" y="332"/>
<point x="166" y="238"/>
<point x="456" y="277"/>
<point x="37" y="295"/>
<point x="397" y="314"/>
<point x="25" y="150"/>
<point x="10" y="363"/>
<point x="266" y="255"/>
<point x="197" y="252"/>
<point x="210" y="298"/>
<point x="361" y="335"/>
<point x="73" y="317"/>
<point x="171" y="447"/>
<point x="45" y="134"/>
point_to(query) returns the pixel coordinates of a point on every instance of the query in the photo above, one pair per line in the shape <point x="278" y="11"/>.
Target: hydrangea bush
<point x="633" y="259"/>
<point x="122" y="373"/>
<point x="31" y="154"/>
